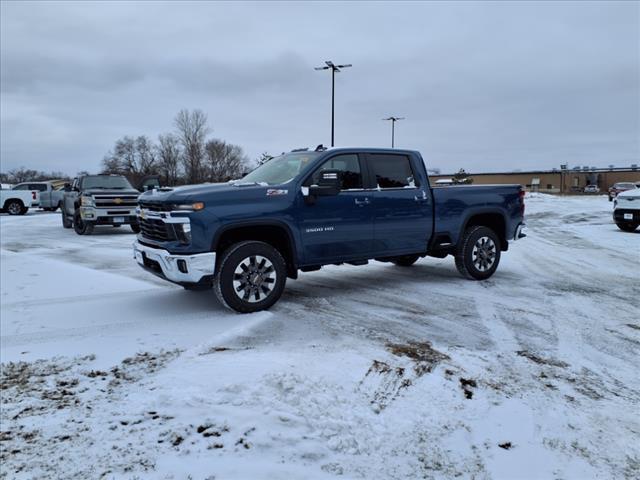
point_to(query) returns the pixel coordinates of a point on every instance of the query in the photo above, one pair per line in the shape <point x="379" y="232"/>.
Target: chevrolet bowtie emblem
<point x="118" y="201"/>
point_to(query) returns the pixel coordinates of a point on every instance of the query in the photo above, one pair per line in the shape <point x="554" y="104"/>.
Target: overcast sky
<point x="484" y="86"/>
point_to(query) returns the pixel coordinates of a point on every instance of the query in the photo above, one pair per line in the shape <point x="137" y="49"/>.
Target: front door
<point x="338" y="227"/>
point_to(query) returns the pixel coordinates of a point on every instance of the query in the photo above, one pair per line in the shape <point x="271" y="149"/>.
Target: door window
<point x="392" y="171"/>
<point x="24" y="186"/>
<point x="348" y="165"/>
<point x="40" y="187"/>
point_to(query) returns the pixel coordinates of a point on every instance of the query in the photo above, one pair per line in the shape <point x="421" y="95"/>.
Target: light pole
<point x="334" y="68"/>
<point x="393" y="128"/>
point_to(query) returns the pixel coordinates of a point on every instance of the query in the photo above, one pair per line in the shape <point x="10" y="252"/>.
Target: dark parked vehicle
<point x="306" y="209"/>
<point x="620" y="187"/>
<point x="99" y="200"/>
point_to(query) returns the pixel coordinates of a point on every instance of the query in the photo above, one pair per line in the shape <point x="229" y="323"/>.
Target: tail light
<point x="522" y="201"/>
<point x="33" y="195"/>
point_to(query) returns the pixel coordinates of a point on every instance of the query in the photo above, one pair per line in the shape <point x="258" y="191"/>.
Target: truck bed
<point x="453" y="205"/>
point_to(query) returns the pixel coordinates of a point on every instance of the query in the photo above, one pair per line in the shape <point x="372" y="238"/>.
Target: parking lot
<point x="366" y="372"/>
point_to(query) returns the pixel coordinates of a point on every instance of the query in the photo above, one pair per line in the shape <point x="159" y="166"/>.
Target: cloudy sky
<point x="484" y="86"/>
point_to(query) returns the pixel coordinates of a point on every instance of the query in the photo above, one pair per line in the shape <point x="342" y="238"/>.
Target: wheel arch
<point x="275" y="233"/>
<point x="494" y="219"/>
<point x="10" y="200"/>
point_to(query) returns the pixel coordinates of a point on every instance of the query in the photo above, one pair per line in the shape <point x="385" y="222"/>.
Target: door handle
<point x="362" y="202"/>
<point x="422" y="197"/>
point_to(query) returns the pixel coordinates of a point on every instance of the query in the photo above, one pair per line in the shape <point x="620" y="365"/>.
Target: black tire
<point x="610" y="198"/>
<point x="14" y="207"/>
<point x="116" y="226"/>
<point x="627" y="227"/>
<point x="478" y="254"/>
<point x="66" y="223"/>
<point x="405" y="260"/>
<point x="255" y="293"/>
<point x="135" y="227"/>
<point x="80" y="226"/>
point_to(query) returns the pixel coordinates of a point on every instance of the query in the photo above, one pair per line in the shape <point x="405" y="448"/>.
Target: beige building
<point x="555" y="181"/>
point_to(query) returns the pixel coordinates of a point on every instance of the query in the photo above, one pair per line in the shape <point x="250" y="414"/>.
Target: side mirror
<point x="328" y="184"/>
<point x="67" y="187"/>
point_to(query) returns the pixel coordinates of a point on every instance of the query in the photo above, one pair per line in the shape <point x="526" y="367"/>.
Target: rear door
<point x="338" y="227"/>
<point x="402" y="210"/>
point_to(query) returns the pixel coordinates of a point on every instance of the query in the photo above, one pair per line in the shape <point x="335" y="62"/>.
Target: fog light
<point x="182" y="266"/>
<point x="185" y="233"/>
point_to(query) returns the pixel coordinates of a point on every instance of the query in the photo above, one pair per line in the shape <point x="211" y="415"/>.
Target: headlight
<point x="87" y="201"/>
<point x="189" y="207"/>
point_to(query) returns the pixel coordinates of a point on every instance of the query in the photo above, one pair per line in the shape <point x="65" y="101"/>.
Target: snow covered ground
<point x="374" y="372"/>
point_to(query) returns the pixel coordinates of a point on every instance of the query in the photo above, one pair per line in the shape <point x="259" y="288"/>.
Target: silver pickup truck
<point x="51" y="195"/>
<point x="99" y="200"/>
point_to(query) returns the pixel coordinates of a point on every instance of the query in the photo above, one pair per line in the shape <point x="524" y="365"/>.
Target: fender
<point x="260" y="223"/>
<point x="480" y="211"/>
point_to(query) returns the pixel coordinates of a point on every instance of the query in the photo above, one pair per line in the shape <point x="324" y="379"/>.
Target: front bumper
<point x="181" y="269"/>
<point x="109" y="216"/>
<point x="624" y="215"/>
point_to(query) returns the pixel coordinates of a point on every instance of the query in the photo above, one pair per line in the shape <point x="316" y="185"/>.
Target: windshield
<point x="105" y="182"/>
<point x="624" y="185"/>
<point x="281" y="169"/>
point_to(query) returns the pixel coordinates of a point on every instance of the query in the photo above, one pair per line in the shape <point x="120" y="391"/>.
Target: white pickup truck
<point x="626" y="210"/>
<point x="18" y="202"/>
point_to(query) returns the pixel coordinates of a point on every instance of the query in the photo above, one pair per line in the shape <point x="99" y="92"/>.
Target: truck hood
<point x="634" y="194"/>
<point x="207" y="192"/>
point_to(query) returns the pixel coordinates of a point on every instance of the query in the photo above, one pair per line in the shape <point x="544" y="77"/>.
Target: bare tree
<point x="133" y="157"/>
<point x="192" y="130"/>
<point x="225" y="161"/>
<point x="169" y="154"/>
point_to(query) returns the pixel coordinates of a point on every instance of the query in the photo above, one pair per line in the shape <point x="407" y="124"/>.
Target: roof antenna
<point x="320" y="148"/>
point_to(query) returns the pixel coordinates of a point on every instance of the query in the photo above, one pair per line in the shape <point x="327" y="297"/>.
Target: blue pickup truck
<point x="306" y="209"/>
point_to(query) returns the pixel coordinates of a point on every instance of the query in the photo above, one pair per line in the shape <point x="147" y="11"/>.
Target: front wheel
<point x="478" y="255"/>
<point x="66" y="223"/>
<point x="627" y="227"/>
<point x="80" y="226"/>
<point x="251" y="277"/>
<point x="135" y="227"/>
<point x="405" y="260"/>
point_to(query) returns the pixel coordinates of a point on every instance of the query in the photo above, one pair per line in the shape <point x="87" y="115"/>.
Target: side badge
<point x="273" y="192"/>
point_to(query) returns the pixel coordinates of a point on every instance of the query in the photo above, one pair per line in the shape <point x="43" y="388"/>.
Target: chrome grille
<point x="108" y="201"/>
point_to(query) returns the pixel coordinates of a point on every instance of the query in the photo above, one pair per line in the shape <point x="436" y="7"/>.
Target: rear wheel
<point x="478" y="256"/>
<point x="251" y="277"/>
<point x="15" y="207"/>
<point x="405" y="260"/>
<point x="66" y="223"/>
<point x="627" y="227"/>
<point x="80" y="226"/>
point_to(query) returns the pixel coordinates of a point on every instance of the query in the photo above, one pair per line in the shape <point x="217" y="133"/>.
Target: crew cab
<point x="306" y="209"/>
<point x="99" y="200"/>
<point x="50" y="196"/>
<point x="626" y="210"/>
<point x="18" y="202"/>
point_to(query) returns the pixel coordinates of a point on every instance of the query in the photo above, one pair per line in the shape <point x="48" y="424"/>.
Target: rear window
<point x="392" y="171"/>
